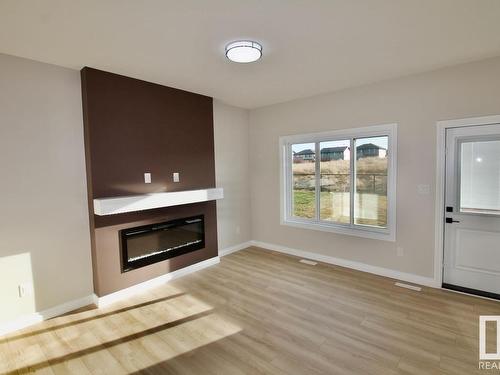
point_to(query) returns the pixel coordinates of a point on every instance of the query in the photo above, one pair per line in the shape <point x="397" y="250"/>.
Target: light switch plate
<point x="147" y="178"/>
<point x="424" y="189"/>
<point x="175" y="176"/>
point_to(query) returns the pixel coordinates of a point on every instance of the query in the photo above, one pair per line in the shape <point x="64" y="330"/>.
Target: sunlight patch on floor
<point x="166" y="327"/>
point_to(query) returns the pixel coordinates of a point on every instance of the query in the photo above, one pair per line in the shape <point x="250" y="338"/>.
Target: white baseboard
<point x="160" y="280"/>
<point x="393" y="274"/>
<point x="37" y="317"/>
<point x="408" y="277"/>
<point x="232" y="249"/>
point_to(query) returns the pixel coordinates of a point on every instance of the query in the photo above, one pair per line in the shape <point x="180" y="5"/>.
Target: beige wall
<point x="232" y="174"/>
<point x="415" y="103"/>
<point x="44" y="231"/>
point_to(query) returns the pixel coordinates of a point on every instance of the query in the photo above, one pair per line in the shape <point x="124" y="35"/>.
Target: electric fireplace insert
<point x="153" y="243"/>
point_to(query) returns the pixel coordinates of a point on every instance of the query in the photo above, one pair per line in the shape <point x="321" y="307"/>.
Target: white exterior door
<point x="472" y="210"/>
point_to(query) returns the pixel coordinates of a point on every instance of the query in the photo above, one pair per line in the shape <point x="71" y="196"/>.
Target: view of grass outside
<point x="335" y="183"/>
<point x="371" y="185"/>
<point x="304" y="182"/>
<point x="370" y="203"/>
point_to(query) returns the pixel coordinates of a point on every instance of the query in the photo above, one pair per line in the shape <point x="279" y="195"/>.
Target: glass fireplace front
<point x="153" y="243"/>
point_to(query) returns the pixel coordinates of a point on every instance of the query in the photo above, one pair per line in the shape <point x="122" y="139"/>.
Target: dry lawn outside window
<point x="371" y="190"/>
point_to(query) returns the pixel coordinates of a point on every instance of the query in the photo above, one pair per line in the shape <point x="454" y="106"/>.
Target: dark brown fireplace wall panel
<point x="136" y="127"/>
<point x="133" y="127"/>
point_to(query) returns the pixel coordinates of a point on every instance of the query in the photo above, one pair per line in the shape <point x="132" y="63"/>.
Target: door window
<point x="480" y="177"/>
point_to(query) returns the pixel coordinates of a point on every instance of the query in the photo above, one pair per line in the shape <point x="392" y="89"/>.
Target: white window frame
<point x="286" y="185"/>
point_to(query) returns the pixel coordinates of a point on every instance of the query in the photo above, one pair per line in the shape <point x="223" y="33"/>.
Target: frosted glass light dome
<point x="244" y="51"/>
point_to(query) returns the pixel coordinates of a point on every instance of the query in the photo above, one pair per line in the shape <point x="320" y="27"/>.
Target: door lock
<point x="450" y="220"/>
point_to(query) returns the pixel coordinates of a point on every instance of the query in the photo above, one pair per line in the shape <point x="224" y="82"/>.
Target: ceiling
<point x="310" y="46"/>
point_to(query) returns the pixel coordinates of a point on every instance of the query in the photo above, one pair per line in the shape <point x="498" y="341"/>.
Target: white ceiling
<point x="310" y="46"/>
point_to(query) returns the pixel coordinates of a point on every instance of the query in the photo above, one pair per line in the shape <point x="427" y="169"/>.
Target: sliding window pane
<point x="370" y="204"/>
<point x="304" y="180"/>
<point x="335" y="204"/>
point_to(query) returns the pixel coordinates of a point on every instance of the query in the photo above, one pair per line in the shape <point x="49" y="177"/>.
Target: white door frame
<point x="440" y="183"/>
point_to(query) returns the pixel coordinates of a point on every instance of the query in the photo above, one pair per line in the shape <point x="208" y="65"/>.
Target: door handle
<point x="450" y="220"/>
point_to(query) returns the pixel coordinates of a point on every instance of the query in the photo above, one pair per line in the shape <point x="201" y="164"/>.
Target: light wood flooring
<point x="261" y="312"/>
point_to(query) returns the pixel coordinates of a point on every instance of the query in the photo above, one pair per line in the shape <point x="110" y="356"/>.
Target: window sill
<point x="372" y="233"/>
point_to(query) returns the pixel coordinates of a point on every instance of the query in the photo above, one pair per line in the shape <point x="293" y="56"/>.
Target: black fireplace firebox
<point x="153" y="243"/>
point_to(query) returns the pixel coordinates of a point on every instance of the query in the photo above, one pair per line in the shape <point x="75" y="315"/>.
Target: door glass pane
<point x="335" y="181"/>
<point x="480" y="177"/>
<point x="304" y="180"/>
<point x="370" y="203"/>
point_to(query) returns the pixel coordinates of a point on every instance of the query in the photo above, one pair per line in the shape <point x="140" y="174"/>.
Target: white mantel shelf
<point x="120" y="205"/>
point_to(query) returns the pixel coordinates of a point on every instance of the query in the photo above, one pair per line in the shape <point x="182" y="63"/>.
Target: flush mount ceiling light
<point x="244" y="51"/>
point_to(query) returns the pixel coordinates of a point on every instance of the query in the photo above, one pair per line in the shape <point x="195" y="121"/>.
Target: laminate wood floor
<point x="261" y="312"/>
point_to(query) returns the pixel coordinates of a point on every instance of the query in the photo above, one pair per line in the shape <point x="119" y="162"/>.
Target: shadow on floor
<point x="99" y="316"/>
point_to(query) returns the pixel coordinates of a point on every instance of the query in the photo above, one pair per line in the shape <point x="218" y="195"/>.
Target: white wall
<point x="231" y="171"/>
<point x="44" y="230"/>
<point x="415" y="103"/>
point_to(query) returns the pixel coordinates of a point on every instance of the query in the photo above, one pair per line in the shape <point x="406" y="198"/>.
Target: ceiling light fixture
<point x="243" y="51"/>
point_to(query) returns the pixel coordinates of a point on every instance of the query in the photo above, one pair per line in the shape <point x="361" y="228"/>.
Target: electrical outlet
<point x="175" y="176"/>
<point x="238" y="229"/>
<point x="25" y="289"/>
<point x="147" y="178"/>
<point x="400" y="251"/>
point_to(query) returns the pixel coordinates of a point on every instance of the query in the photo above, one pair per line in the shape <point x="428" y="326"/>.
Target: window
<point x="480" y="176"/>
<point x="341" y="181"/>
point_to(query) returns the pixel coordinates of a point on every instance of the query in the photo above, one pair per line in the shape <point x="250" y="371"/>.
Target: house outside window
<point x="335" y="153"/>
<point x="337" y="192"/>
<point x="304" y="155"/>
